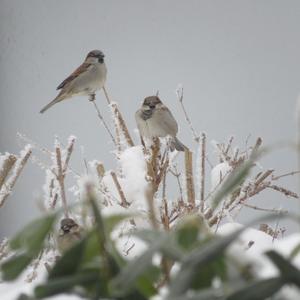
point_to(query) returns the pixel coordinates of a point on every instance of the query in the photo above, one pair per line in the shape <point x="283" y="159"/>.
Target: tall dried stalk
<point x="202" y="170"/>
<point x="61" y="169"/>
<point x="120" y="119"/>
<point x="11" y="181"/>
<point x="188" y="158"/>
<point x="124" y="202"/>
<point x="6" y="167"/>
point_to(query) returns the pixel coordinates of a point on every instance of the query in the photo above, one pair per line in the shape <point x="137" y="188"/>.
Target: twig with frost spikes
<point x="202" y="171"/>
<point x="7" y="165"/>
<point x="4" y="248"/>
<point x="177" y="175"/>
<point x="274" y="210"/>
<point x="36" y="160"/>
<point x="124" y="202"/>
<point x="120" y="119"/>
<point x="262" y="177"/>
<point x="104" y="123"/>
<point x="188" y="158"/>
<point x="60" y="178"/>
<point x="284" y="175"/>
<point x="285" y="191"/>
<point x="257" y="145"/>
<point x="10" y="183"/>
<point x="35" y="145"/>
<point x="179" y="93"/>
<point x="165" y="213"/>
<point x="70" y="148"/>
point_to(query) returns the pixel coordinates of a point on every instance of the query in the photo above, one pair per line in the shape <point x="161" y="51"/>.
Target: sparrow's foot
<point x="92" y="97"/>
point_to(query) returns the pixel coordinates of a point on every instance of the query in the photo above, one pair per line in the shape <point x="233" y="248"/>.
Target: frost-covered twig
<point x="119" y="118"/>
<point x="179" y="93"/>
<point x="103" y="122"/>
<point x="285" y="191"/>
<point x="8" y="161"/>
<point x="202" y="170"/>
<point x="124" y="202"/>
<point x="286" y="174"/>
<point x="274" y="210"/>
<point x="11" y="181"/>
<point x="61" y="179"/>
<point x="188" y="158"/>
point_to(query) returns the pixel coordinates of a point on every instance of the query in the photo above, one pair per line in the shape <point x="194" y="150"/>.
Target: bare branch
<point x="179" y="93"/>
<point x="104" y="123"/>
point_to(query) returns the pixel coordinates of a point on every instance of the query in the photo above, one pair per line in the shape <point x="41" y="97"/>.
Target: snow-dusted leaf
<point x="32" y="237"/>
<point x="262" y="289"/>
<point x="288" y="271"/>
<point x="112" y="221"/>
<point x="14" y="266"/>
<point x="65" y="284"/>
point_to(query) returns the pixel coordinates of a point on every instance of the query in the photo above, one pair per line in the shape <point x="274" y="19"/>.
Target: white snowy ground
<point x="262" y="266"/>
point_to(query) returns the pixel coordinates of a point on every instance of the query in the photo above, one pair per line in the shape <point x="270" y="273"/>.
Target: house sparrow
<point x="69" y="233"/>
<point x="155" y="120"/>
<point x="89" y="77"/>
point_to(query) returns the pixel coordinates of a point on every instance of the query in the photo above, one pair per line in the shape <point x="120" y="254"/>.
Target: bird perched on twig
<point x="155" y="120"/>
<point x="69" y="233"/>
<point x="89" y="77"/>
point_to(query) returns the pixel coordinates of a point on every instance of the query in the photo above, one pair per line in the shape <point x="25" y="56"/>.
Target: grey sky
<point x="238" y="62"/>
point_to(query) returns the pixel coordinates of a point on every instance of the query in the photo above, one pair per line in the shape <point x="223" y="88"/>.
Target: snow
<point x="254" y="254"/>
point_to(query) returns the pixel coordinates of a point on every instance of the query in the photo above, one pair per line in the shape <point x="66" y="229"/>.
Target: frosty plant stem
<point x="202" y="170"/>
<point x="6" y="167"/>
<point x="104" y="123"/>
<point x="61" y="171"/>
<point x="11" y="181"/>
<point x="188" y="158"/>
<point x="119" y="119"/>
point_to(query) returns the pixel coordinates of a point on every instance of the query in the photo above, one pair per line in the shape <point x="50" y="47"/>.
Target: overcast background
<point x="238" y="62"/>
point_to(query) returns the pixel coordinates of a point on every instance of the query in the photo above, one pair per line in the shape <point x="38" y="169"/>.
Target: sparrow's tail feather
<point x="176" y="144"/>
<point x="56" y="100"/>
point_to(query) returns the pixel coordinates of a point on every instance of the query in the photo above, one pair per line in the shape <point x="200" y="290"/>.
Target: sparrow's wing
<point x="167" y="121"/>
<point x="82" y="68"/>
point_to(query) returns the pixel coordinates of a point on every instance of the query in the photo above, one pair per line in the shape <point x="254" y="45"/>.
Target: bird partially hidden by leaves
<point x="155" y="120"/>
<point x="69" y="233"/>
<point x="89" y="77"/>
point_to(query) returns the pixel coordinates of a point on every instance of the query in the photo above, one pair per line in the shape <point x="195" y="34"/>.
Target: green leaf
<point x="295" y="251"/>
<point x="25" y="297"/>
<point x="167" y="245"/>
<point x="14" y="266"/>
<point x="138" y="267"/>
<point x="69" y="263"/>
<point x="112" y="221"/>
<point x="32" y="237"/>
<point x="188" y="230"/>
<point x="258" y="290"/>
<point x="206" y="294"/>
<point x="65" y="284"/>
<point x="288" y="271"/>
<point x="204" y="255"/>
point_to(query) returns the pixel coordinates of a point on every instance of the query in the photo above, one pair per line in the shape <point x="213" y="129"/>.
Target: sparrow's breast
<point x="91" y="80"/>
